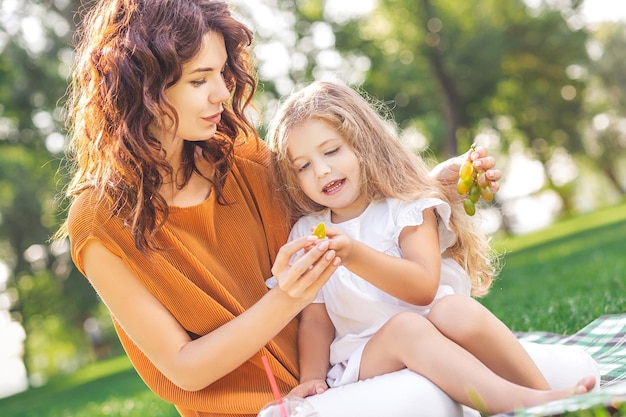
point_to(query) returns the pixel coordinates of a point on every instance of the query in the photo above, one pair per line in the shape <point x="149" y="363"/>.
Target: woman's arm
<point x="315" y="334"/>
<point x="414" y="278"/>
<point x="164" y="341"/>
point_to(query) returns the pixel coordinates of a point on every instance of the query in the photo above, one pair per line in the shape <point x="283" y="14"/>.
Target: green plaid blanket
<point x="605" y="340"/>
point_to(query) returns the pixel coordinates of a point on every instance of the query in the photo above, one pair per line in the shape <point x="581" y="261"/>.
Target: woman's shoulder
<point x="86" y="204"/>
<point x="90" y="217"/>
<point x="87" y="212"/>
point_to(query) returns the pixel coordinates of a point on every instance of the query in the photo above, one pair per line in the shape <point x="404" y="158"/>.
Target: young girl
<point x="410" y="260"/>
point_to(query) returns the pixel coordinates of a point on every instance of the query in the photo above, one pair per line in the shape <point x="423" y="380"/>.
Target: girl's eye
<point x="303" y="167"/>
<point x="331" y="151"/>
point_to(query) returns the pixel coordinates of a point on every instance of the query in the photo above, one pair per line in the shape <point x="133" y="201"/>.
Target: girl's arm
<point x="166" y="343"/>
<point x="315" y="334"/>
<point x="414" y="278"/>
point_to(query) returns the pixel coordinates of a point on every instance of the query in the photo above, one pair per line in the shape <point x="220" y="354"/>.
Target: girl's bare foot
<point x="583" y="386"/>
<point x="534" y="397"/>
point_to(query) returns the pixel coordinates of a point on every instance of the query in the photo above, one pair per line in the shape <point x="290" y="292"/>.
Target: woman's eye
<point x="331" y="151"/>
<point x="197" y="83"/>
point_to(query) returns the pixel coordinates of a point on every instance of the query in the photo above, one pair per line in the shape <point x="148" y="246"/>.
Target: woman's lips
<point x="215" y="119"/>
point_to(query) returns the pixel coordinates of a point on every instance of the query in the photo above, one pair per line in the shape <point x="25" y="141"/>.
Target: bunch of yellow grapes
<point x="469" y="185"/>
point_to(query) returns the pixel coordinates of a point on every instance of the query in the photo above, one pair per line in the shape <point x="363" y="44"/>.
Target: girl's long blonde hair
<point x="388" y="169"/>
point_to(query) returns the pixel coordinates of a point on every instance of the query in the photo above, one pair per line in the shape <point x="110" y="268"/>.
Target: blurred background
<point x="541" y="84"/>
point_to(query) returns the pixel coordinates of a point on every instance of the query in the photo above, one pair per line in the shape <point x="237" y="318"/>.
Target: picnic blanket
<point x="605" y="340"/>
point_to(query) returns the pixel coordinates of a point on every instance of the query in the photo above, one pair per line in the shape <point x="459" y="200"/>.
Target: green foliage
<point x="453" y="70"/>
<point x="606" y="146"/>
<point x="52" y="298"/>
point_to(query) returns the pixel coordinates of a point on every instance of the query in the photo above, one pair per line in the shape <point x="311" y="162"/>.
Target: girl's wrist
<point x="350" y="252"/>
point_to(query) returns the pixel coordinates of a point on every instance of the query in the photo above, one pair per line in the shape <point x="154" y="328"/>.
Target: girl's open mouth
<point x="333" y="186"/>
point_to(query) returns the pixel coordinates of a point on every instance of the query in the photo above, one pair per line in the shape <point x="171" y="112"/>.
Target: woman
<point x="173" y="220"/>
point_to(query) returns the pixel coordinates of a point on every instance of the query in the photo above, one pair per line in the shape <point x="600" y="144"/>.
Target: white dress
<point x="357" y="308"/>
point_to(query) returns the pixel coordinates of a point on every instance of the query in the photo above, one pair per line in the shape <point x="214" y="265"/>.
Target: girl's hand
<point x="308" y="388"/>
<point x="307" y="273"/>
<point x="340" y="242"/>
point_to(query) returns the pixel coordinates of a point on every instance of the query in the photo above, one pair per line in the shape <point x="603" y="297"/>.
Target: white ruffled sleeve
<point x="411" y="214"/>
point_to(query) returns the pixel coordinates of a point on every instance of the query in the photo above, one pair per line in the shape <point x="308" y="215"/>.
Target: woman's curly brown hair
<point x="129" y="52"/>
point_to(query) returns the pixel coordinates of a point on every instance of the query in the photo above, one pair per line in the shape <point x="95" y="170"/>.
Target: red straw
<point x="274" y="385"/>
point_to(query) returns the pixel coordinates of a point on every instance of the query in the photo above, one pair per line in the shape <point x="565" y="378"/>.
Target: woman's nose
<point x="221" y="93"/>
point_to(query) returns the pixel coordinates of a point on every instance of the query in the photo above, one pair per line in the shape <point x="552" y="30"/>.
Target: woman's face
<point x="199" y="95"/>
<point x="327" y="168"/>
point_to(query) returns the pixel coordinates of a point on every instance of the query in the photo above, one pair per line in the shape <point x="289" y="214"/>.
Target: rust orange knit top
<point x="214" y="268"/>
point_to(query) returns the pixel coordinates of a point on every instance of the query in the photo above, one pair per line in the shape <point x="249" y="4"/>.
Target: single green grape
<point x="474" y="193"/>
<point x="469" y="206"/>
<point x="486" y="193"/>
<point x="463" y="186"/>
<point x="466" y="170"/>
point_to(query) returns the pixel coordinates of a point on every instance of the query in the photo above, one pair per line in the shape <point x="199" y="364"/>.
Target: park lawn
<point x="108" y="388"/>
<point x="557" y="280"/>
<point x="563" y="277"/>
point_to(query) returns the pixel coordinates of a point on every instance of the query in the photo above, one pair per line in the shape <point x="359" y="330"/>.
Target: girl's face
<point x="199" y="95"/>
<point x="327" y="169"/>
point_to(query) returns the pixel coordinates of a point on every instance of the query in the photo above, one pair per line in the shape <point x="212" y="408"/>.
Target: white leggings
<point x="406" y="394"/>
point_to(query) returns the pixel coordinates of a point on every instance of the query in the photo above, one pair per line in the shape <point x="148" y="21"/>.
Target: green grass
<point x="109" y="388"/>
<point x="561" y="278"/>
<point x="558" y="280"/>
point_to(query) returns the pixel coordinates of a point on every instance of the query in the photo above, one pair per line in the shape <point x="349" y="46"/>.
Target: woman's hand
<point x="308" y="388"/>
<point x="303" y="276"/>
<point x="447" y="172"/>
<point x="484" y="162"/>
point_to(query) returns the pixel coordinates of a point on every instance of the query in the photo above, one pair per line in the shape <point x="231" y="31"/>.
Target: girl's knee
<point x="450" y="307"/>
<point x="407" y="323"/>
<point x="457" y="316"/>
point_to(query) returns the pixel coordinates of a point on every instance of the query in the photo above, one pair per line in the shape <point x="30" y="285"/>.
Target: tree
<point x="450" y="70"/>
<point x="53" y="299"/>
<point x="606" y="102"/>
<point x="543" y="103"/>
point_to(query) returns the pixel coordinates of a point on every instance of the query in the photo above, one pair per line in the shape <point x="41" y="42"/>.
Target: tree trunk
<point x="610" y="172"/>
<point x="451" y="101"/>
